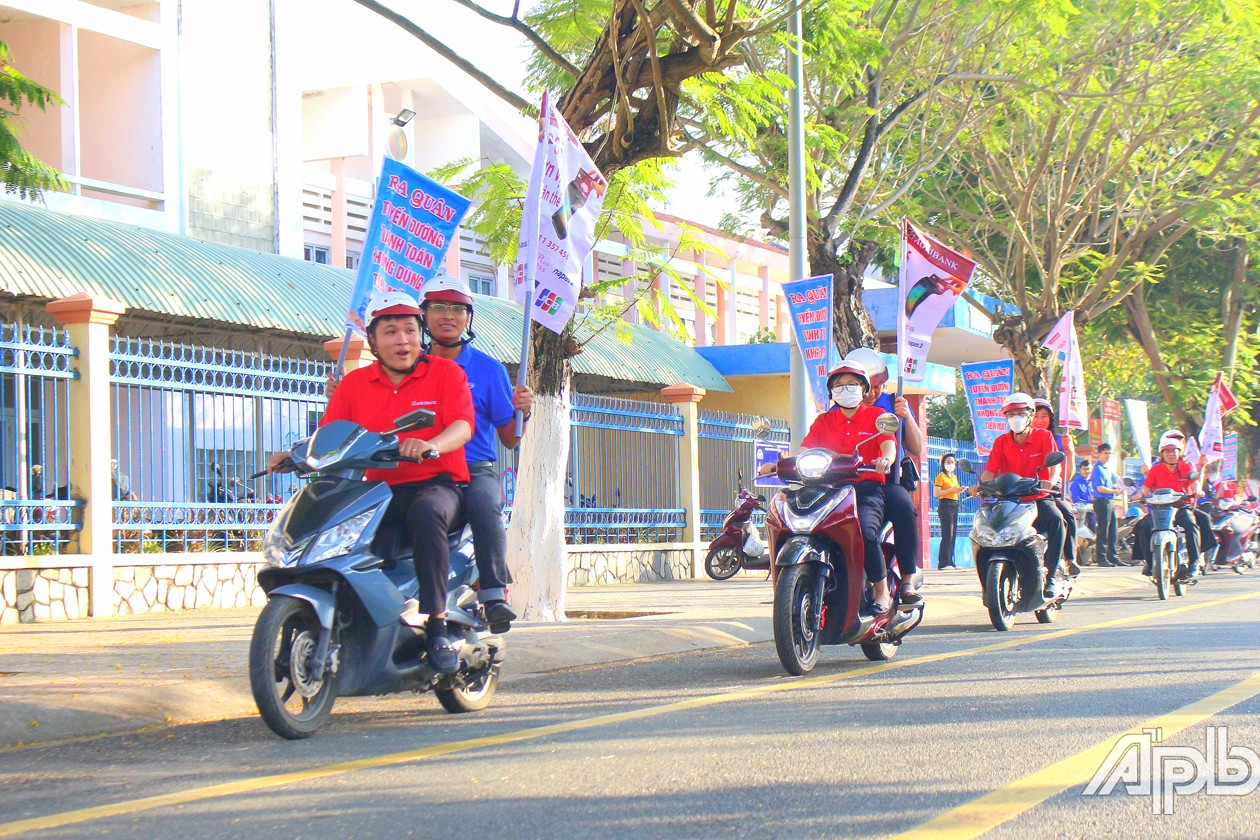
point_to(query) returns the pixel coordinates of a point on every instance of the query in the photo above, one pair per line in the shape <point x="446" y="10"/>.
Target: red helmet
<point x="849" y="366"/>
<point x="1018" y="401"/>
<point x="449" y="289"/>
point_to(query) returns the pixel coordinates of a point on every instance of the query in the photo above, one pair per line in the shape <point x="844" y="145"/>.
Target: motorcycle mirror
<point x="1252" y="499"/>
<point x="761" y="428"/>
<point x="964" y="465"/>
<point x="887" y="423"/>
<point x="1194" y="475"/>
<point x="1130" y="483"/>
<point x="761" y="498"/>
<point x="1054" y="459"/>
<point x="421" y="418"/>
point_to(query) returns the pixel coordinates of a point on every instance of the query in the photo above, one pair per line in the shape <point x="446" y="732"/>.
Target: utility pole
<point x="798" y="262"/>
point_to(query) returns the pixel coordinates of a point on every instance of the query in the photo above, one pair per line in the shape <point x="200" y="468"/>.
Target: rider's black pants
<point x="1190" y="522"/>
<point x="899" y="510"/>
<point x="483" y="509"/>
<point x="870" y="510"/>
<point x="1049" y="522"/>
<point x="428" y="509"/>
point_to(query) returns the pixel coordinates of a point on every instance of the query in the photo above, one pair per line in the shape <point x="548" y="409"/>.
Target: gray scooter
<point x="342" y="616"/>
<point x="1009" y="551"/>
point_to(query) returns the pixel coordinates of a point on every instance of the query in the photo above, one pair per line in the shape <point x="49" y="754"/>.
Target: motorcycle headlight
<point x="339" y="539"/>
<point x="278" y="548"/>
<point x="812" y="464"/>
<point x="984" y="535"/>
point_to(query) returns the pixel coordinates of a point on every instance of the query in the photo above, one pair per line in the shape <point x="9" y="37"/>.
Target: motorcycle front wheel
<point x="1165" y="568"/>
<point x="794" y="639"/>
<point x="723" y="562"/>
<point x="471" y="696"/>
<point x="1001" y="591"/>
<point x="291" y="701"/>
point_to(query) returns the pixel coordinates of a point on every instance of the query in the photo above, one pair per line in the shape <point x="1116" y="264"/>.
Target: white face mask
<point x="1018" y="422"/>
<point x="847" y="396"/>
<point x="949" y="466"/>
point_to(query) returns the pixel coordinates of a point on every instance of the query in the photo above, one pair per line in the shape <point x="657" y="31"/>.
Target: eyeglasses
<point x="457" y="308"/>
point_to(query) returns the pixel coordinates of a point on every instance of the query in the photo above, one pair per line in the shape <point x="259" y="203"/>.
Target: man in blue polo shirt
<point x="1104" y="487"/>
<point x="448" y="314"/>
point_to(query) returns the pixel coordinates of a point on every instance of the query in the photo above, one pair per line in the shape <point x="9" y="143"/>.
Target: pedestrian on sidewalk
<point x="1104" y="484"/>
<point x="947" y="491"/>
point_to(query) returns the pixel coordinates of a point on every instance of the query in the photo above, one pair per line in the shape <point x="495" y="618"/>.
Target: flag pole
<point x="522" y="372"/>
<point x="345" y="351"/>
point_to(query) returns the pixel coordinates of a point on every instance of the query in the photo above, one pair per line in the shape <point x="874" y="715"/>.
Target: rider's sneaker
<point x="1051" y="590"/>
<point x="907" y="595"/>
<point x="1184" y="575"/>
<point x="442" y="655"/>
<point x="1147" y="570"/>
<point x="499" y="615"/>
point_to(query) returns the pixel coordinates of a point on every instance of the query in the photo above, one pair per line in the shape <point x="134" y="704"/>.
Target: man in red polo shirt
<point x="1023" y="451"/>
<point x="426" y="499"/>
<point x="1172" y="472"/>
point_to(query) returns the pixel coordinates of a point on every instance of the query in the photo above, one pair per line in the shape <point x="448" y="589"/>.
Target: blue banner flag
<point x="986" y="384"/>
<point x="809" y="303"/>
<point x="413" y="223"/>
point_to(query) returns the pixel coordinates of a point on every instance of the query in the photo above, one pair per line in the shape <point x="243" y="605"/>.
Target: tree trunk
<point x="1232" y="309"/>
<point x="851" y="324"/>
<point x="1032" y="369"/>
<point x="1139" y="325"/>
<point x="536" y="549"/>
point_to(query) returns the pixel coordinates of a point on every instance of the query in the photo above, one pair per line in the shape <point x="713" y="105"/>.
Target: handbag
<point x="909" y="474"/>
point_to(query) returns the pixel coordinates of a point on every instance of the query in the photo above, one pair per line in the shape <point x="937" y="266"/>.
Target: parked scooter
<point x="1238" y="534"/>
<point x="1009" y="552"/>
<point x="1085" y="536"/>
<point x="341" y="616"/>
<point x="816" y="541"/>
<point x="739" y="546"/>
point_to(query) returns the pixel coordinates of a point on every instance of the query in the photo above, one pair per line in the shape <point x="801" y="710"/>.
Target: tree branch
<point x="533" y="37"/>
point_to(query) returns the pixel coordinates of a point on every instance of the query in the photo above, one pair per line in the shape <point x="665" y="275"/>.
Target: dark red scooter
<point x="739" y="546"/>
<point x="1236" y="529"/>
<point x="821" y="595"/>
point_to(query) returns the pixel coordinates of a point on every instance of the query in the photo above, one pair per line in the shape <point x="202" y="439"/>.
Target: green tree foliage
<point x="1132" y="125"/>
<point x="20" y="171"/>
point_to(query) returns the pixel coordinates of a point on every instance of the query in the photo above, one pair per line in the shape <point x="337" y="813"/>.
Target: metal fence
<point x="623" y="480"/>
<point x="190" y="425"/>
<point x="727" y="452"/>
<point x="37" y="515"/>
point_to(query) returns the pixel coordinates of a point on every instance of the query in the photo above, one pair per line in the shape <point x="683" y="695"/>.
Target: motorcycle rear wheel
<point x="795" y="641"/>
<point x="879" y="651"/>
<point x="1046" y="616"/>
<point x="723" y="562"/>
<point x="1001" y="593"/>
<point x="292" y="703"/>
<point x="473" y="697"/>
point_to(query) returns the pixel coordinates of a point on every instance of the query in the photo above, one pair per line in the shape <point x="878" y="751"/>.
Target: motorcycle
<point x="1168" y="542"/>
<point x="1084" y="534"/>
<point x="739" y="546"/>
<point x="816" y="542"/>
<point x="1009" y="552"/>
<point x="1237" y="532"/>
<point x="342" y="617"/>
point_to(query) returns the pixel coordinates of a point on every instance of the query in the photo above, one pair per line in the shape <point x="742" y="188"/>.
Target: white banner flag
<point x="1073" y="411"/>
<point x="932" y="278"/>
<point x="1192" y="450"/>
<point x="562" y="205"/>
<point x="1140" y="422"/>
<point x="1212" y="435"/>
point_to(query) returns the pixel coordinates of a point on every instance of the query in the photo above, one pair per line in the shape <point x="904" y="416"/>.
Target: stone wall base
<point x="60" y="587"/>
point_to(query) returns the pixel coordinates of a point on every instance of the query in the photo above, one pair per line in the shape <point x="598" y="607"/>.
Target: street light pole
<point x="798" y="262"/>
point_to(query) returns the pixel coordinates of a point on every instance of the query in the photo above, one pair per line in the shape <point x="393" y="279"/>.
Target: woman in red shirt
<point x="849" y="429"/>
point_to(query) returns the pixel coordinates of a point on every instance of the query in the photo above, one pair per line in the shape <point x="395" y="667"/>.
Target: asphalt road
<point x="967" y="733"/>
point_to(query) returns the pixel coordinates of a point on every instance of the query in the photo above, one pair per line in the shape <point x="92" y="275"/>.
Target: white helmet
<point x="1018" y="401"/>
<point x="450" y="289"/>
<point x="872" y="362"/>
<point x="1172" y="438"/>
<point x="390" y="303"/>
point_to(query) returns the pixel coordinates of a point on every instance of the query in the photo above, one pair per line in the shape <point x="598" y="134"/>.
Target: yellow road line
<point x="996" y="807"/>
<point x="149" y="803"/>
